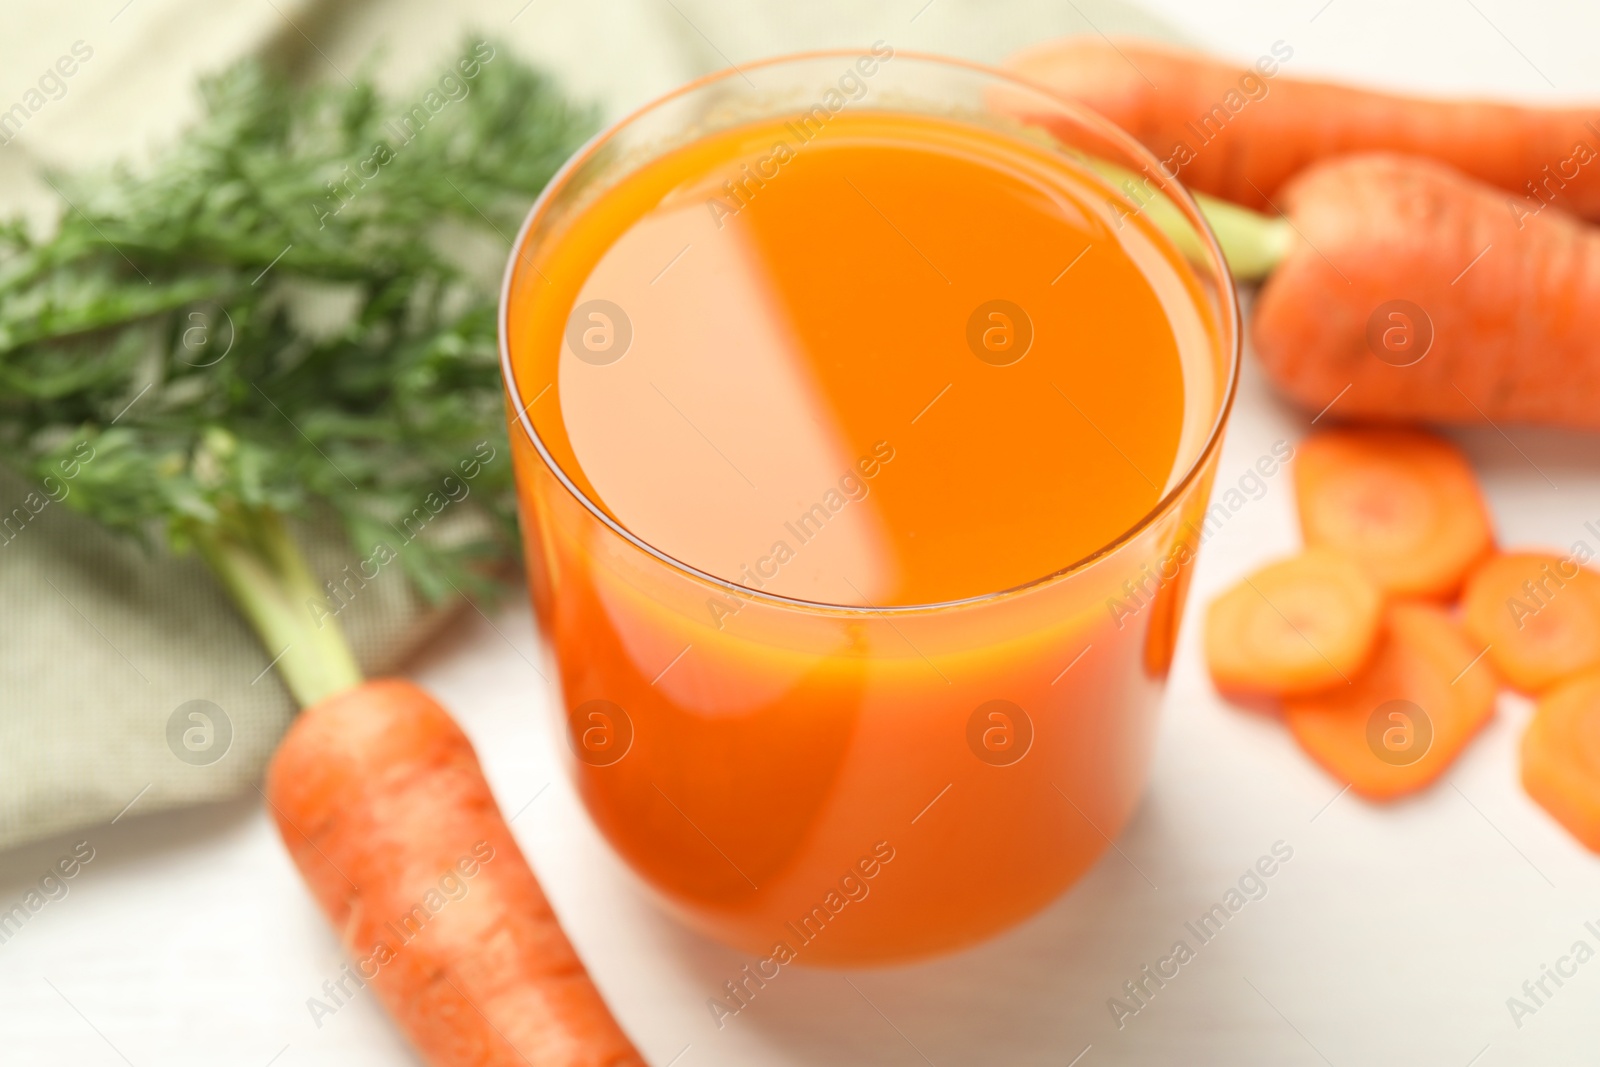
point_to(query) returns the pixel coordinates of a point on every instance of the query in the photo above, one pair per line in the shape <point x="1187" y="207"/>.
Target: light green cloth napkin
<point x="109" y="652"/>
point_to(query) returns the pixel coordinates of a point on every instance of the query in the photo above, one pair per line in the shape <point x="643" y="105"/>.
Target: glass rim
<point x="1229" y="305"/>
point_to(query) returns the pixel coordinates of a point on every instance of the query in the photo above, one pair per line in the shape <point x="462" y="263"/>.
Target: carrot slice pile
<point x="1406" y="718"/>
<point x="1385" y="689"/>
<point x="1539" y="614"/>
<point x="1561" y="757"/>
<point x="1402" y="503"/>
<point x="1295" y="626"/>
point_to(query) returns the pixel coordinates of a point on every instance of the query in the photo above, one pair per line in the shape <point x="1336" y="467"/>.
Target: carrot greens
<point x="289" y="312"/>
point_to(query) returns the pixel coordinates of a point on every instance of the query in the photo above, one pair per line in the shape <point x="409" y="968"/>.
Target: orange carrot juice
<point x="830" y="439"/>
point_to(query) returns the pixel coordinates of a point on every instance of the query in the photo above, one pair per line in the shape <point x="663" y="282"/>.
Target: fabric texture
<point x="104" y="643"/>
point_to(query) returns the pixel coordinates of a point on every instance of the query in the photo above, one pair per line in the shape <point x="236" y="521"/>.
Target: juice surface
<point x="902" y="360"/>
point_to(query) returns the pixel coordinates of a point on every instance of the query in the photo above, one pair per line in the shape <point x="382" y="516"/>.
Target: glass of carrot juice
<point x="864" y="408"/>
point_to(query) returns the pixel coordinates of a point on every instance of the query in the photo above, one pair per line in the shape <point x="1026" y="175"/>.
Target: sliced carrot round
<point x="1294" y="626"/>
<point x="1561" y="757"/>
<point x="1402" y="503"/>
<point x="1539" y="614"/>
<point x="1404" y="719"/>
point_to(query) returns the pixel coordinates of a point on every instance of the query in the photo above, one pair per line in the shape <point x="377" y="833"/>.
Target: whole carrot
<point x="1242" y="132"/>
<point x="383" y="806"/>
<point x="1409" y="293"/>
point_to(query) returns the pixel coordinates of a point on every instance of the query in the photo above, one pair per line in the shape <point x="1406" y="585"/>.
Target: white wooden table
<point x="1392" y="935"/>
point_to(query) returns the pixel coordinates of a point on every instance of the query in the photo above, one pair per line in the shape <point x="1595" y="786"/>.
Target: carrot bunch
<point x="1424" y="261"/>
<point x="1429" y="260"/>
<point x="1384" y="641"/>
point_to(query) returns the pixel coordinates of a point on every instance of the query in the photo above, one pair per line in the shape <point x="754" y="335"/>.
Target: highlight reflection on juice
<point x="852" y="367"/>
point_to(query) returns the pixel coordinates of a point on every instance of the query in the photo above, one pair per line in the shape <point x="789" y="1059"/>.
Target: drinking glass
<point x="847" y="784"/>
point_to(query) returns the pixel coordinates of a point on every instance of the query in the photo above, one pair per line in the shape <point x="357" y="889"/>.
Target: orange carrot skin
<point x="1254" y="644"/>
<point x="1513" y="337"/>
<point x="1561" y="757"/>
<point x="381" y="801"/>
<point x="1539" y="616"/>
<point x="1248" y="141"/>
<point x="1424" y="660"/>
<point x="1403" y="503"/>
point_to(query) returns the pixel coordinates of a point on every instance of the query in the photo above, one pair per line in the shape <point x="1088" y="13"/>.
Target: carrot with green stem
<point x="1400" y="282"/>
<point x="1395" y="289"/>
<point x="381" y="801"/>
<point x="104" y="365"/>
<point x="1413" y="289"/>
<point x="1243" y="131"/>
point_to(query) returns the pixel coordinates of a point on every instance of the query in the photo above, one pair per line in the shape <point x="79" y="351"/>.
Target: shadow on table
<point x="132" y="839"/>
<point x="1036" y="994"/>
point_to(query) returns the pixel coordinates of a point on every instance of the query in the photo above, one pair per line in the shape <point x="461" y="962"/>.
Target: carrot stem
<point x="1252" y="243"/>
<point x="263" y="570"/>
